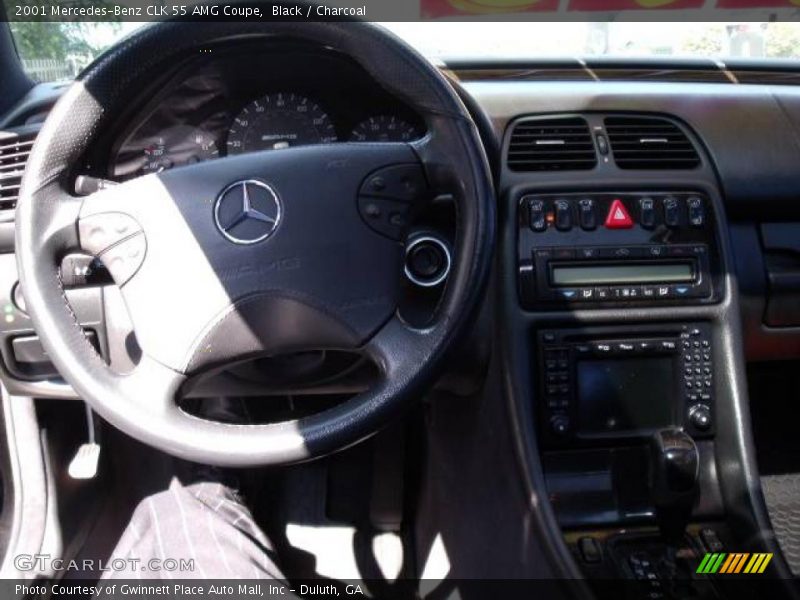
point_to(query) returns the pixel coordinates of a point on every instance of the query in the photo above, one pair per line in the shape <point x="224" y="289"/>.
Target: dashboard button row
<point x="627" y="292"/>
<point x="621" y="213"/>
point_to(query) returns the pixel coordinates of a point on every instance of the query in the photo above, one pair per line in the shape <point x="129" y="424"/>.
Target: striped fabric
<point x="199" y="531"/>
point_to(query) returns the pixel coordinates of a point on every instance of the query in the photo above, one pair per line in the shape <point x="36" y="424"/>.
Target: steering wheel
<point x="255" y="254"/>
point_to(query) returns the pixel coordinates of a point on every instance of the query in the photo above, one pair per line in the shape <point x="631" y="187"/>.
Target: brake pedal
<point x="84" y="464"/>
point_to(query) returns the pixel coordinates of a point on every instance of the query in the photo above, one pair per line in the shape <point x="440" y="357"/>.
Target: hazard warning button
<point x="618" y="217"/>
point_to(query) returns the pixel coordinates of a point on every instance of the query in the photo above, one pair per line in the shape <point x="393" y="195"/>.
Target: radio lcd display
<point x="610" y="274"/>
<point x="617" y="396"/>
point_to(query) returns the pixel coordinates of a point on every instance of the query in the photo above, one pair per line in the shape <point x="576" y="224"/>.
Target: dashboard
<point x="246" y="99"/>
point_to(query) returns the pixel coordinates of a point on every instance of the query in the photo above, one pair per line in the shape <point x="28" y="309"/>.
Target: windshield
<point x="53" y="51"/>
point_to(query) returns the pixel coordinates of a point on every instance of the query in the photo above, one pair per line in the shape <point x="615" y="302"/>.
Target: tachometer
<point x="279" y="120"/>
<point x="384" y="128"/>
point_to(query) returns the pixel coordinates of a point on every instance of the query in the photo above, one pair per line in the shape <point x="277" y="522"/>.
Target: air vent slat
<point x="557" y="144"/>
<point x="14" y="152"/>
<point x="649" y="143"/>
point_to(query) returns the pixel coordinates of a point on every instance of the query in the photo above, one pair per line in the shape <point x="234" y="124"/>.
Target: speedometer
<point x="279" y="120"/>
<point x="384" y="128"/>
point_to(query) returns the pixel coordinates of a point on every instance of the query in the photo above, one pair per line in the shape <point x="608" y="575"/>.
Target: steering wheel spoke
<point x="396" y="345"/>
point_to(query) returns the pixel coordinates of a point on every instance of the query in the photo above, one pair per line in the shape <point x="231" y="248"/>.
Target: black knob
<point x="559" y="424"/>
<point x="427" y="261"/>
<point x="700" y="416"/>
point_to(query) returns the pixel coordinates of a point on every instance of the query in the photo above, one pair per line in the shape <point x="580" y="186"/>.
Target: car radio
<point x="601" y="383"/>
<point x="607" y="248"/>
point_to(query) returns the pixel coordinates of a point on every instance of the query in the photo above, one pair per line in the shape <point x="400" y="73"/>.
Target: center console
<point x="605" y="249"/>
<point x="622" y="321"/>
<point x="625" y="400"/>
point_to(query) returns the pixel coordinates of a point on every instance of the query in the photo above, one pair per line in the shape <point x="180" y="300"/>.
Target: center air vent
<point x="558" y="144"/>
<point x="649" y="143"/>
<point x="14" y="151"/>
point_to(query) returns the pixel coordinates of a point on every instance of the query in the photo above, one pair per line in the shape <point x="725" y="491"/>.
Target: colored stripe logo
<point x="733" y="563"/>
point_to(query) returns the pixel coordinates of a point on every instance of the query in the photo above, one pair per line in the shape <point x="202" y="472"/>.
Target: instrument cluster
<point x="226" y="106"/>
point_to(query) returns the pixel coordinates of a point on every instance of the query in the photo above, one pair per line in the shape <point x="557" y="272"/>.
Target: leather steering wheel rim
<point x="52" y="222"/>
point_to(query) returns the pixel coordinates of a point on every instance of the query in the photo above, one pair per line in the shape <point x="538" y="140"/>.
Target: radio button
<point x="681" y="290"/>
<point x="662" y="291"/>
<point x="586" y="214"/>
<point x="538" y="218"/>
<point x="563" y="253"/>
<point x="679" y="251"/>
<point x="647" y="213"/>
<point x="563" y="215"/>
<point x="671" y="212"/>
<point x="697" y="213"/>
<point x="700" y="416"/>
<point x="559" y="424"/>
<point x="626" y="292"/>
<point x="624" y="252"/>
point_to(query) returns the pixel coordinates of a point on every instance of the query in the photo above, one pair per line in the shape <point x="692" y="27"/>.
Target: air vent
<point x="563" y="144"/>
<point x="14" y="151"/>
<point x="649" y="143"/>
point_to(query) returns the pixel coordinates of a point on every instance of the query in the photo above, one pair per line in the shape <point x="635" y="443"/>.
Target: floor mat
<point x="782" y="493"/>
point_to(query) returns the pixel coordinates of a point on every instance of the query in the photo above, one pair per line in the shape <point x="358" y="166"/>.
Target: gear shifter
<point x="674" y="468"/>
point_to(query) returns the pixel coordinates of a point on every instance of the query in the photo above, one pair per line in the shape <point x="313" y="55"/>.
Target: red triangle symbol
<point x="618" y="217"/>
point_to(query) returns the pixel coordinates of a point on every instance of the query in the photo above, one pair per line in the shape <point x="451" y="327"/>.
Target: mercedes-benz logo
<point x="247" y="211"/>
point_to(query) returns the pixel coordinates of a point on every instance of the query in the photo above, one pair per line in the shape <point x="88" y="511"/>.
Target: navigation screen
<point x="622" y="395"/>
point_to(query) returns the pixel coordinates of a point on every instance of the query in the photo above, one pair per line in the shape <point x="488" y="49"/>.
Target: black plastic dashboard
<point x="751" y="136"/>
